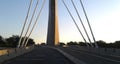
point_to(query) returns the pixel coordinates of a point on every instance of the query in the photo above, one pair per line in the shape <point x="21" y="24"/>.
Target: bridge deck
<point x="90" y="58"/>
<point x="41" y="55"/>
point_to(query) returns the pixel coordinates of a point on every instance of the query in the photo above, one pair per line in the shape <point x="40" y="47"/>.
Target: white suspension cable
<point x="74" y="21"/>
<point x="88" y="23"/>
<point x="24" y="24"/>
<point x="28" y="28"/>
<point x="82" y="23"/>
<point x="35" y="23"/>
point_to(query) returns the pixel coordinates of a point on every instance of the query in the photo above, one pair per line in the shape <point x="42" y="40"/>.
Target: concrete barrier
<point x="103" y="51"/>
<point x="3" y="52"/>
<point x="8" y="54"/>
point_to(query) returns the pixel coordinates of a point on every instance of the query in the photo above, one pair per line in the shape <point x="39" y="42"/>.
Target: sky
<point x="103" y="16"/>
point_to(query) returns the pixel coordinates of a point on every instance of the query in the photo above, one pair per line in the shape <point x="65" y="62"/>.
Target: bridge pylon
<point x="53" y="33"/>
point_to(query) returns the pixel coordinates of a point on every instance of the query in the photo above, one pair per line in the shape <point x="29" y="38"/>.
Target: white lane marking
<point x="98" y="56"/>
<point x="37" y="59"/>
<point x="29" y="59"/>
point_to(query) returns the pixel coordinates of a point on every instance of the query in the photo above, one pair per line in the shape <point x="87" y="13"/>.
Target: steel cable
<point x="28" y="28"/>
<point x="82" y="23"/>
<point x="35" y="23"/>
<point x="74" y="21"/>
<point x="24" y="24"/>
<point x="88" y="23"/>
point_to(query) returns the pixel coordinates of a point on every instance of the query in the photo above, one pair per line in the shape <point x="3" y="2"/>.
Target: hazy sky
<point x="103" y="15"/>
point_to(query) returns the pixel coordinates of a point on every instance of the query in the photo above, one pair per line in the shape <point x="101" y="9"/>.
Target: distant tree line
<point x="101" y="44"/>
<point x="13" y="41"/>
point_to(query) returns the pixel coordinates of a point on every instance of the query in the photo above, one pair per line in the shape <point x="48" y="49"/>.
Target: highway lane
<point x="41" y="55"/>
<point x="90" y="58"/>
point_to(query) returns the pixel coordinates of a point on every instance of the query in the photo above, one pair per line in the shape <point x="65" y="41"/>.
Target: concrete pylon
<point x="53" y="35"/>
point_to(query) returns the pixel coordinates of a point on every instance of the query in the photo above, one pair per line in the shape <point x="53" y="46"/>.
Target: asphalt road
<point x="40" y="55"/>
<point x="90" y="58"/>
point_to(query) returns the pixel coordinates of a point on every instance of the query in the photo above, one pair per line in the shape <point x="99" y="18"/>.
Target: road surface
<point x="40" y="55"/>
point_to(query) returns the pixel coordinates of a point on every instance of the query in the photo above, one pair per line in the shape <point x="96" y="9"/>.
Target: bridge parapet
<point x="102" y="51"/>
<point x="8" y="54"/>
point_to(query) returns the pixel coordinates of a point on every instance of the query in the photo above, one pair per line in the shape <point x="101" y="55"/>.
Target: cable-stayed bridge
<point x="52" y="53"/>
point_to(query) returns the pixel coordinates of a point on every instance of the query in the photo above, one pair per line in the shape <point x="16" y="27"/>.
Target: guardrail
<point x="7" y="54"/>
<point x="102" y="51"/>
